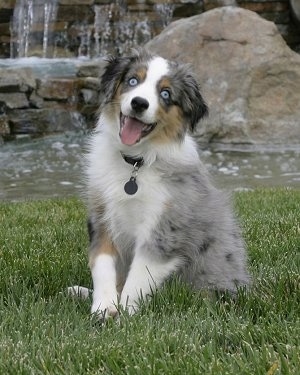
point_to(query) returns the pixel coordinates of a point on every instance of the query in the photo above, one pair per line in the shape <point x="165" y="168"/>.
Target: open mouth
<point x="133" y="130"/>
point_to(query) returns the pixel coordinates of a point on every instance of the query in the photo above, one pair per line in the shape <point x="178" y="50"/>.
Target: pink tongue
<point x="131" y="131"/>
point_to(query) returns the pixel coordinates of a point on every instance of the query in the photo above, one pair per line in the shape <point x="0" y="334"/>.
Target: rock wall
<point x="85" y="27"/>
<point x="34" y="102"/>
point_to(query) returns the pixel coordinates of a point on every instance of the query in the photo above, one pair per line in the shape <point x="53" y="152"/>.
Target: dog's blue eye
<point x="133" y="81"/>
<point x="165" y="94"/>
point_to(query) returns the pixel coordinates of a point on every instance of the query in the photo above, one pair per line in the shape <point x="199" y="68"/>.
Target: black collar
<point x="136" y="161"/>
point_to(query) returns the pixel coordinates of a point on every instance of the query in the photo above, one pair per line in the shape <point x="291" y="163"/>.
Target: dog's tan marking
<point x="141" y="73"/>
<point x="170" y="125"/>
<point x="170" y="119"/>
<point x="105" y="246"/>
<point x="164" y="83"/>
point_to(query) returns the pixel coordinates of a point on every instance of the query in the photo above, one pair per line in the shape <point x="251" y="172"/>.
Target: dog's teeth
<point x="148" y="127"/>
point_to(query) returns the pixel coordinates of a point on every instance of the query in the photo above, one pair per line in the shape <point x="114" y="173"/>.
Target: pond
<point x="51" y="167"/>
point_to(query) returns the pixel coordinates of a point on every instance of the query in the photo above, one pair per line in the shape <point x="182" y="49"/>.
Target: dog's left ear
<point x="194" y="106"/>
<point x="112" y="76"/>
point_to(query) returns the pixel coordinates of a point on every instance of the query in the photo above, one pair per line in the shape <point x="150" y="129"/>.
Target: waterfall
<point x="115" y="28"/>
<point x="32" y="24"/>
<point x="50" y="8"/>
<point x="165" y="11"/>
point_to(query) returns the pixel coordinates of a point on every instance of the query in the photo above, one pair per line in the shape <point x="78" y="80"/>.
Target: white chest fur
<point x="136" y="215"/>
<point x="132" y="216"/>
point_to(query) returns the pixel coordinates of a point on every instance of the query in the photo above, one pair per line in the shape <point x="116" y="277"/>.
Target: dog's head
<point x="151" y="98"/>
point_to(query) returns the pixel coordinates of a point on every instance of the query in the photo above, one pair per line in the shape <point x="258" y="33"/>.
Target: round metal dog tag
<point x="131" y="186"/>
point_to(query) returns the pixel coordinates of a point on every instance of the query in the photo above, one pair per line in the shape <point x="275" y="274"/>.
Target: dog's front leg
<point x="102" y="264"/>
<point x="147" y="273"/>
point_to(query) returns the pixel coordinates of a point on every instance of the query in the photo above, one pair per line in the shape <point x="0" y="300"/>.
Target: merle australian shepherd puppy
<point x="153" y="211"/>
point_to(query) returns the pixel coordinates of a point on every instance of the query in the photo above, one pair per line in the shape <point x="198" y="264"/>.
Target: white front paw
<point x="104" y="311"/>
<point x="104" y="308"/>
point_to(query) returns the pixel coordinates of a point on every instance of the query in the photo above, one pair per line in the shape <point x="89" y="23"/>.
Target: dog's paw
<point x="79" y="291"/>
<point x="104" y="310"/>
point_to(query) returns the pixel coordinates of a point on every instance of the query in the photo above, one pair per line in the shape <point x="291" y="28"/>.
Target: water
<point x="165" y="11"/>
<point x="51" y="167"/>
<point x="247" y="168"/>
<point x="45" y="67"/>
<point x="115" y="29"/>
<point x="32" y="26"/>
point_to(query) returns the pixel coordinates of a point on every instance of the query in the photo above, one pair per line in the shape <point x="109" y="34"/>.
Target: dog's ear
<point x="192" y="102"/>
<point x="112" y="76"/>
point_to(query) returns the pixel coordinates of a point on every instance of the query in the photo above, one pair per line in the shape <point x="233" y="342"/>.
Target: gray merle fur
<point x="198" y="225"/>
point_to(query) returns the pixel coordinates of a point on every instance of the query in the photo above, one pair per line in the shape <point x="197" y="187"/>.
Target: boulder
<point x="249" y="77"/>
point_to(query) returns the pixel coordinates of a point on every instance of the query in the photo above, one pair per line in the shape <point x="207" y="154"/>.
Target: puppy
<point x="153" y="211"/>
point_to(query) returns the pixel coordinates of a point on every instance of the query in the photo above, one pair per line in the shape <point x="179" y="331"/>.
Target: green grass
<point x="42" y="331"/>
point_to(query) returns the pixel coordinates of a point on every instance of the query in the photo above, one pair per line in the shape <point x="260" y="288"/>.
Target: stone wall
<point x="34" y="103"/>
<point x="78" y="31"/>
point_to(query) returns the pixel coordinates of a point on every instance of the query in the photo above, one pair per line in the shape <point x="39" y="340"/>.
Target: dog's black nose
<point x="139" y="104"/>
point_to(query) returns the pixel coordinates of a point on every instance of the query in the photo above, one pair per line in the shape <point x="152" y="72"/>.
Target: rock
<point x="89" y="97"/>
<point x="186" y="8"/>
<point x="91" y="83"/>
<point x="19" y="79"/>
<point x="295" y="7"/>
<point x="14" y="100"/>
<point x="4" y="127"/>
<point x="91" y="68"/>
<point x="250" y="78"/>
<point x="44" y="121"/>
<point x="36" y="101"/>
<point x="75" y="2"/>
<point x="57" y="88"/>
<point x="7" y="4"/>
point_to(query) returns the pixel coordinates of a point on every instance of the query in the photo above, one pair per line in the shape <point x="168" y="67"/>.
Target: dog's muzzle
<point x="132" y="130"/>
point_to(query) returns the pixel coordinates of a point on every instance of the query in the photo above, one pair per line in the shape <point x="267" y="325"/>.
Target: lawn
<point x="43" y="331"/>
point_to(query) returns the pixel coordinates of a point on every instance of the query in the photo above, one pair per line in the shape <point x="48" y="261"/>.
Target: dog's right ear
<point x="112" y="76"/>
